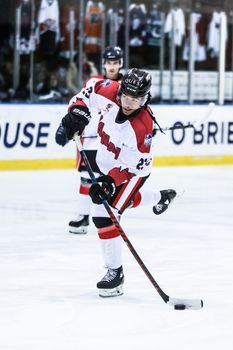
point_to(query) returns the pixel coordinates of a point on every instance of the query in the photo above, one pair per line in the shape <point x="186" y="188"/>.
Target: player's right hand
<point x="102" y="190"/>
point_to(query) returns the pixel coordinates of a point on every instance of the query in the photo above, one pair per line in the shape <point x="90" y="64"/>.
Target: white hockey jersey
<point x="179" y="25"/>
<point x="90" y="141"/>
<point x="124" y="149"/>
<point x="214" y="33"/>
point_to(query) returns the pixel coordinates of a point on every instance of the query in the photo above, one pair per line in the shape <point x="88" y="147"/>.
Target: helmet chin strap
<point x="148" y="99"/>
<point x="121" y="117"/>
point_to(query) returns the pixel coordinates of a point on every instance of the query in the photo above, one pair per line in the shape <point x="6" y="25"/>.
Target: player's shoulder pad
<point x="107" y="88"/>
<point x="92" y="80"/>
<point x="142" y="125"/>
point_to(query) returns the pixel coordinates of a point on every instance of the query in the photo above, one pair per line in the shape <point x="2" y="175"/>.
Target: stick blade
<point x="207" y="114"/>
<point x="193" y="304"/>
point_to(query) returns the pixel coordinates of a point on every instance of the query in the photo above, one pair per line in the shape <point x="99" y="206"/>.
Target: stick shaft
<point x="194" y="304"/>
<point x="193" y="125"/>
<point x="116" y="223"/>
<point x="175" y="127"/>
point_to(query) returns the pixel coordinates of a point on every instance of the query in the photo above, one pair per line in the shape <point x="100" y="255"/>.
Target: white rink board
<point x="214" y="137"/>
<point x="27" y="132"/>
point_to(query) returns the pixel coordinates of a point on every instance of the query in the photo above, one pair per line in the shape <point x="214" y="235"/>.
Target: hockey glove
<point x="76" y="120"/>
<point x="103" y="189"/>
<point x="60" y="137"/>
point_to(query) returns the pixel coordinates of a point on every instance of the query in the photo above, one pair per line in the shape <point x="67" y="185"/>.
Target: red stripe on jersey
<point x="108" y="232"/>
<point x="120" y="176"/>
<point x="100" y="77"/>
<point x="84" y="189"/>
<point x="142" y="125"/>
<point x="136" y="200"/>
<point x="119" y="194"/>
<point x="130" y="195"/>
<point x="108" y="89"/>
<point x="77" y="103"/>
<point x="127" y="200"/>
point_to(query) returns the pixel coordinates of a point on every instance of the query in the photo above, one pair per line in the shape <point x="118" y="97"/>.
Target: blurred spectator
<point x="3" y="90"/>
<point x="6" y="30"/>
<point x="22" y="92"/>
<point x="46" y="19"/>
<point x="6" y="77"/>
<point x="41" y="74"/>
<point x="73" y="73"/>
<point x="62" y="81"/>
<point x="50" y="90"/>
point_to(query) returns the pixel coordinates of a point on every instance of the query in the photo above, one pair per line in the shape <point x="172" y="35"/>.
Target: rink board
<point x="27" y="137"/>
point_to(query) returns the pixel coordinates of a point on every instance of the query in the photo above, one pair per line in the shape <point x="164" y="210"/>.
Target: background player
<point x="112" y="63"/>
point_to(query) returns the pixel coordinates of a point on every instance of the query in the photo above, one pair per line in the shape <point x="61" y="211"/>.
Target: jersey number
<point x="87" y="92"/>
<point x="143" y="162"/>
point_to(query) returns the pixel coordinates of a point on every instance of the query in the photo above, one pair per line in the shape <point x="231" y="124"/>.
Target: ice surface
<point x="48" y="298"/>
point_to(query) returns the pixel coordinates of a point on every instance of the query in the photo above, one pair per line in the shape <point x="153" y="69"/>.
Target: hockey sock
<point x="85" y="204"/>
<point x="111" y="244"/>
<point x="146" y="197"/>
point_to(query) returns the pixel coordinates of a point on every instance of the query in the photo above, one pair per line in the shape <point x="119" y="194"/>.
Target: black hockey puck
<point x="179" y="307"/>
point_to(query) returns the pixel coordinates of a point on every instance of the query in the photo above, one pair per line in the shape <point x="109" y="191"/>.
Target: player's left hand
<point x="76" y="120"/>
<point x="103" y="189"/>
<point x="61" y="137"/>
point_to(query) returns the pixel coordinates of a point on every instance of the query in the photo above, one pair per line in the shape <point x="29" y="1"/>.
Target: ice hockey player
<point x="112" y="63"/>
<point x="124" y="156"/>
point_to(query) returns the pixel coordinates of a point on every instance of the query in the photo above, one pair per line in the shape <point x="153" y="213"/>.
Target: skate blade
<point x="78" y="230"/>
<point x="114" y="292"/>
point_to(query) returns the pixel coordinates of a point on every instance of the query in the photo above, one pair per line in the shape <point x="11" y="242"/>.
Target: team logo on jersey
<point x="105" y="140"/>
<point x="148" y="140"/>
<point x="106" y="83"/>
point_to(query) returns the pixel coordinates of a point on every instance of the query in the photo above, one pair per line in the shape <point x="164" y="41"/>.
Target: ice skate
<point x="111" y="283"/>
<point x="79" y="226"/>
<point x="167" y="196"/>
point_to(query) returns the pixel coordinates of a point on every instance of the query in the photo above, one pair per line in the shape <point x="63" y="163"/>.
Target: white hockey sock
<point x="149" y="198"/>
<point x="85" y="203"/>
<point x="112" y="254"/>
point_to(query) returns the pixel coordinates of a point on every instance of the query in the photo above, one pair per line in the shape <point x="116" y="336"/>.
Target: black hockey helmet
<point x="136" y="83"/>
<point x="113" y="53"/>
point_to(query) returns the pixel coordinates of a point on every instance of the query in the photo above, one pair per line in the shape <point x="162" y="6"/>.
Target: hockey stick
<point x="89" y="137"/>
<point x="193" y="125"/>
<point x="178" y="304"/>
<point x="208" y="112"/>
<point x="178" y="125"/>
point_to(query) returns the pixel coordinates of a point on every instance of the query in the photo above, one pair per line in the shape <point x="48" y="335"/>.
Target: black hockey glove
<point x="60" y="137"/>
<point x="103" y="189"/>
<point x="76" y="120"/>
